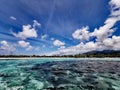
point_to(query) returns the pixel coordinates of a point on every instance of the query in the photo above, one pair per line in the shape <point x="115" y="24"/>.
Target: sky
<point x="58" y="27"/>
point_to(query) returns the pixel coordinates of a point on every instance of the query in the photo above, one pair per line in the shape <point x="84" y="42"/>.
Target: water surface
<point x="60" y="74"/>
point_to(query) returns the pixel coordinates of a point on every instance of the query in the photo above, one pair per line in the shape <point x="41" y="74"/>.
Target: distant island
<point x="97" y="54"/>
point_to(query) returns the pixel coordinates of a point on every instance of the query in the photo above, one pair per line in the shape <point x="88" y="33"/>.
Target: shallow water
<point x="60" y="74"/>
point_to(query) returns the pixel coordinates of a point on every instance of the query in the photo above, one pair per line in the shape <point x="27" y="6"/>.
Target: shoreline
<point x="63" y="58"/>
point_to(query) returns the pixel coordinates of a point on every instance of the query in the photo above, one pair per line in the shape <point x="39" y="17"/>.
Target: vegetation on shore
<point x="99" y="54"/>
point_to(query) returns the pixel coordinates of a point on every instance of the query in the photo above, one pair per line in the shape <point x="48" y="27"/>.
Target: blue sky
<point x="58" y="26"/>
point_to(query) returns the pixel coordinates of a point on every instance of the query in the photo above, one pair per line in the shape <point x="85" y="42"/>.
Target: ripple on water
<point x="63" y="75"/>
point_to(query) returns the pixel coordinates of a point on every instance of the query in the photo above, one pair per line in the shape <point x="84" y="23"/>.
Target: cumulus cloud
<point x="80" y="48"/>
<point x="25" y="45"/>
<point x="108" y="42"/>
<point x="4" y="43"/>
<point x="112" y="43"/>
<point x="58" y="43"/>
<point x="104" y="38"/>
<point x="82" y="34"/>
<point x="104" y="32"/>
<point x="115" y="3"/>
<point x="28" y="31"/>
<point x="6" y="48"/>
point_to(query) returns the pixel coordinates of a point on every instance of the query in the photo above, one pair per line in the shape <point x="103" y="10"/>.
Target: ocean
<point x="60" y="74"/>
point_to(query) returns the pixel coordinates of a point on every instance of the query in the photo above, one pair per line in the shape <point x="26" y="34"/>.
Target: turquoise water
<point x="60" y="74"/>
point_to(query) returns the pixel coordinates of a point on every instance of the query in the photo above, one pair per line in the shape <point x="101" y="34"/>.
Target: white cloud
<point x="104" y="38"/>
<point x="7" y="48"/>
<point x="25" y="45"/>
<point x="108" y="42"/>
<point x="80" y="48"/>
<point x="82" y="34"/>
<point x="58" y="43"/>
<point x="4" y="43"/>
<point x="112" y="43"/>
<point x="116" y="38"/>
<point x="116" y="45"/>
<point x="115" y="3"/>
<point x="27" y="31"/>
<point x="104" y="32"/>
<point x="12" y="17"/>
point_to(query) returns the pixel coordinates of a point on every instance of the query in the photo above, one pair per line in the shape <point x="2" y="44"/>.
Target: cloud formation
<point x="28" y="31"/>
<point x="25" y="45"/>
<point x="6" y="48"/>
<point x="58" y="43"/>
<point x="82" y="34"/>
<point x="104" y="38"/>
